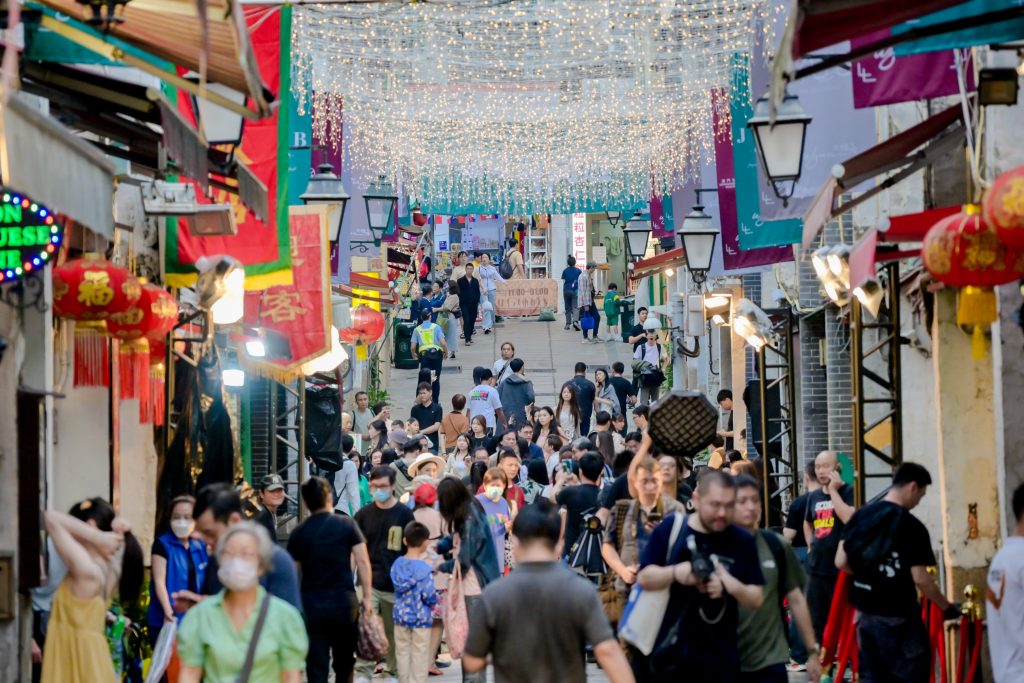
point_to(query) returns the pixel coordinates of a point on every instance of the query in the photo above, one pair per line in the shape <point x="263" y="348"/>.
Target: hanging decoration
<point x="151" y="411"/>
<point x="89" y="290"/>
<point x="367" y="327"/>
<point x="977" y="311"/>
<point x="1003" y="207"/>
<point x="29" y="236"/>
<point x="962" y="250"/>
<point x="525" y="107"/>
<point x="152" y="316"/>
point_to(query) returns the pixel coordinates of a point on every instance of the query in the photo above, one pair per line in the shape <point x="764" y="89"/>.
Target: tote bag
<point x="645" y="609"/>
<point x="587" y="320"/>
<point x="456" y="619"/>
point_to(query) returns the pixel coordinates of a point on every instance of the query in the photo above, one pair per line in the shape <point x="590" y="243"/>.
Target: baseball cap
<point x="272" y="482"/>
<point x="425" y="494"/>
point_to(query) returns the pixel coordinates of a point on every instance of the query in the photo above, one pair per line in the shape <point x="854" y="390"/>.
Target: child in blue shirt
<point x="414" y="596"/>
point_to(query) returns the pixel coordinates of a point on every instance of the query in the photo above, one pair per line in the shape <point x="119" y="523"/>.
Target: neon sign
<point x="29" y="236"/>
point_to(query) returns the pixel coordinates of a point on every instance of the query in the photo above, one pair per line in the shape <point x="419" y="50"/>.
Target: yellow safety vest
<point x="427" y="341"/>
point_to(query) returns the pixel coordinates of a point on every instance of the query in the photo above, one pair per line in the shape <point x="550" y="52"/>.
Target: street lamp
<point x="613" y="217"/>
<point x="325" y="187"/>
<point x="638" y="233"/>
<point x="698" y="233"/>
<point x="220" y="126"/>
<point x="380" y="207"/>
<point x="780" y="143"/>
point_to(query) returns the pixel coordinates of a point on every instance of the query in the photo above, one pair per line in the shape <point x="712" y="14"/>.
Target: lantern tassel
<point x="979" y="344"/>
<point x="92" y="360"/>
<point x="151" y="410"/>
<point x="133" y="361"/>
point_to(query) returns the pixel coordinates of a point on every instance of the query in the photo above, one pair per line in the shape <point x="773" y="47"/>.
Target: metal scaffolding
<point x="778" y="445"/>
<point x="877" y="404"/>
<point x="288" y="445"/>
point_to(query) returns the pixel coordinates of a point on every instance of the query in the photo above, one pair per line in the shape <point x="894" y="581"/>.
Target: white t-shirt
<point x="1005" y="612"/>
<point x="484" y="400"/>
<point x="501" y="370"/>
<point x="651" y="354"/>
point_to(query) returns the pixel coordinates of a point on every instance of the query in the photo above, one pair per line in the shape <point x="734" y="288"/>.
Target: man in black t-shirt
<point x="382" y="523"/>
<point x="637" y="333"/>
<point x="428" y="414"/>
<point x="828" y="509"/>
<point x="585" y="393"/>
<point x="888" y="551"/>
<point x="580" y="499"/>
<point x="707" y="605"/>
<point x="793" y="530"/>
<point x="323" y="546"/>
<point x="624" y="389"/>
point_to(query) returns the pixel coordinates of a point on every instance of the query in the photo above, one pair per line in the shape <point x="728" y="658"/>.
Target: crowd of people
<point x="541" y="521"/>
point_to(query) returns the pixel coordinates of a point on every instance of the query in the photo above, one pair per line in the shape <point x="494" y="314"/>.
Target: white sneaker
<point x="362" y="679"/>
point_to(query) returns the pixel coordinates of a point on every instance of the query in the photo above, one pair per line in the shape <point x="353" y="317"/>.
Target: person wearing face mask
<point x="217" y="637"/>
<point x="498" y="510"/>
<point x="382" y="524"/>
<point x="179" y="563"/>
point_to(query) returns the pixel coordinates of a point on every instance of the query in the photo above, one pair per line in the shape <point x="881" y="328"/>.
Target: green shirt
<point x="208" y="640"/>
<point x="611" y="308"/>
<point x="762" y="635"/>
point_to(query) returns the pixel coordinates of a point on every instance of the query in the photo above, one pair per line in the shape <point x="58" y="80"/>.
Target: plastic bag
<point x="163" y="650"/>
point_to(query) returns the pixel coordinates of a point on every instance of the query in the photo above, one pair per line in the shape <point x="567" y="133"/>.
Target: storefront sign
<point x="526" y="297"/>
<point x="442" y="236"/>
<point x="29" y="236"/>
<point x="883" y="78"/>
<point x="579" y="239"/>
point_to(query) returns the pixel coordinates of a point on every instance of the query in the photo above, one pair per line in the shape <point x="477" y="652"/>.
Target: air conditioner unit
<point x="161" y="198"/>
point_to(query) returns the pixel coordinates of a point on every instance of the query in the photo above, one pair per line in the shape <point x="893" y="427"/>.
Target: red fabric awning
<point x="821" y="23"/>
<point x="673" y="258"/>
<point x="912" y="227"/>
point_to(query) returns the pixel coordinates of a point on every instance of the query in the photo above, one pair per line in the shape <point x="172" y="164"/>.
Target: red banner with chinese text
<point x="299" y="312"/>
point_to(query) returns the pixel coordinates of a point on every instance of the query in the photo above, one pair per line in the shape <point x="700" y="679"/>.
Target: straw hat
<point x="423" y="459"/>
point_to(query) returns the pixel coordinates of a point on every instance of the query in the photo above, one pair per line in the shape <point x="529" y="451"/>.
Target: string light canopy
<point x="537" y="106"/>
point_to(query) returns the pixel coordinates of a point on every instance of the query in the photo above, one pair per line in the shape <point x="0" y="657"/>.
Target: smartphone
<point x="567" y="466"/>
<point x="654" y="518"/>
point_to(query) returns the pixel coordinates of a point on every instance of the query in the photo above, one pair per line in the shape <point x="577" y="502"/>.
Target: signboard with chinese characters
<point x="299" y="311"/>
<point x="29" y="236"/>
<point x="579" y="239"/>
<point x="442" y="236"/>
<point x="599" y="254"/>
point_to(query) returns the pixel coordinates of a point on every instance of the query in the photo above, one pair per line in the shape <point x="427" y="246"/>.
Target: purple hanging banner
<point x="734" y="258"/>
<point x="658" y="227"/>
<point x="883" y="78"/>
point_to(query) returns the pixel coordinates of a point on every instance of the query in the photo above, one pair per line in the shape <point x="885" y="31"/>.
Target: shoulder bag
<point x="250" y="654"/>
<point x="456" y="618"/>
<point x="645" y="610"/>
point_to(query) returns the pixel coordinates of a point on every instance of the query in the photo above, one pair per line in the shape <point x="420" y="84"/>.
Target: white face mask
<point x="237" y="574"/>
<point x="182" y="528"/>
<point x="493" y="492"/>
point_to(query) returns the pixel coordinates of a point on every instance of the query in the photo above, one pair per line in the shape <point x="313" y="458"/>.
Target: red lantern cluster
<point x="962" y="250"/>
<point x="1003" y="207"/>
<point x="91" y="288"/>
<point x="367" y="326"/>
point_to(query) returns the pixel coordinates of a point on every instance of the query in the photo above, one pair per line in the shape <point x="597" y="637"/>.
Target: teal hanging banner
<point x="754" y="233"/>
<point x="996" y="32"/>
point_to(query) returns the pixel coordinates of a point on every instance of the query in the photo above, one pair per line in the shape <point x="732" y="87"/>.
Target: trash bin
<point x="403" y="345"/>
<point x="627" y="305"/>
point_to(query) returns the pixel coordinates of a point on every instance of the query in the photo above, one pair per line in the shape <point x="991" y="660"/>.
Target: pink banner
<point x="658" y="228"/>
<point x="733" y="258"/>
<point x="884" y="78"/>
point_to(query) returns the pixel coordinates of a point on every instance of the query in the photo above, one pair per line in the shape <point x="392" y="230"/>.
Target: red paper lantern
<point x="367" y="326"/>
<point x="962" y="250"/>
<point x="88" y="290"/>
<point x="92" y="288"/>
<point x="1003" y="207"/>
<point x="152" y="317"/>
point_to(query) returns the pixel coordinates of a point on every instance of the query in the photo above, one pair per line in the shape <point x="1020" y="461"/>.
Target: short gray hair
<point x="582" y="444"/>
<point x="256" y="531"/>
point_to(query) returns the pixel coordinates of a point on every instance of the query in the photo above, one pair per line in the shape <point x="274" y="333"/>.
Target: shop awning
<point x="673" y="258"/>
<point x="172" y="30"/>
<point x="905" y="153"/>
<point x="912" y="227"/>
<point x="43" y="159"/>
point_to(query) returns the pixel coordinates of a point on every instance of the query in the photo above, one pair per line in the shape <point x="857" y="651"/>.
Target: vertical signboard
<point x="579" y="239"/>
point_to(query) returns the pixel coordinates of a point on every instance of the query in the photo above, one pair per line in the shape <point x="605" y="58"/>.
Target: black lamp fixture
<point x="997" y="86"/>
<point x="780" y="143"/>
<point x="614" y="217"/>
<point x="381" y="201"/>
<point x="325" y="187"/>
<point x="697" y="234"/>
<point x="638" y="233"/>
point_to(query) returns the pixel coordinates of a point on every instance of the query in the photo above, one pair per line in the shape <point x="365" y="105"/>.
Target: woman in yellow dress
<point x="97" y="561"/>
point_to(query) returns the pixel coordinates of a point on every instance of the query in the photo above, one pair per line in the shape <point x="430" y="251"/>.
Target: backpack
<point x="868" y="541"/>
<point x="774" y="544"/>
<point x="505" y="269"/>
<point x="585" y="554"/>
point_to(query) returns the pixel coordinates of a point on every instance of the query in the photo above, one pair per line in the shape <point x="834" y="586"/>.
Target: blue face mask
<point x="381" y="496"/>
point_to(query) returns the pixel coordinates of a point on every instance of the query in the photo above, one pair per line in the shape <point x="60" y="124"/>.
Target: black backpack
<point x="505" y="269"/>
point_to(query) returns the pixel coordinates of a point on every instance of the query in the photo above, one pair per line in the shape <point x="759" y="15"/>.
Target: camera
<point x="701" y="565"/>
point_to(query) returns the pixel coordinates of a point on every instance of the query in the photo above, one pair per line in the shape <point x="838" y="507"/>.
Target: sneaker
<point x="567" y="326"/>
<point x="796" y="667"/>
<point x="487" y="331"/>
<point x="585" y="341"/>
<point x="609" y="340"/>
<point x="576" y="326"/>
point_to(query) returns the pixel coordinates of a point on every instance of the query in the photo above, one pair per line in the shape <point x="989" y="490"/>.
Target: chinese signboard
<point x="579" y="239"/>
<point x="29" y="236"/>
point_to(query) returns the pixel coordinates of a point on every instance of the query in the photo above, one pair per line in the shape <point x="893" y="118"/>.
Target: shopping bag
<point x="645" y="609"/>
<point x="162" y="651"/>
<point x="587" y="321"/>
<point x="372" y="643"/>
<point x="456" y="618"/>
